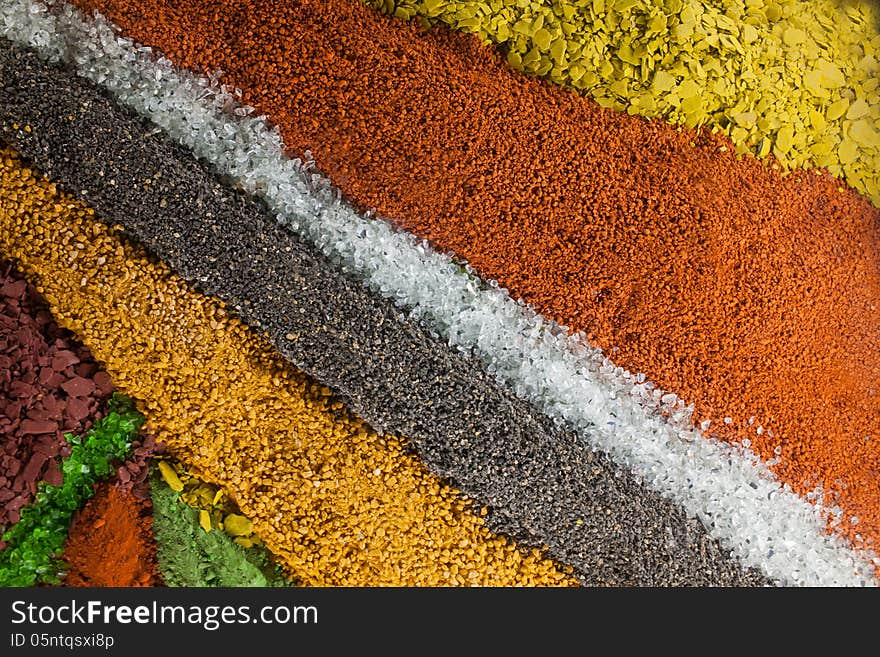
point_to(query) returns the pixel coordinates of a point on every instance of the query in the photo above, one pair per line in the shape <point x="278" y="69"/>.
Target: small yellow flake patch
<point x="205" y="520"/>
<point x="170" y="476"/>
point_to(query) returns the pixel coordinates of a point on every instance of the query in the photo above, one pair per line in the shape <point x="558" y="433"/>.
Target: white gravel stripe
<point x="643" y="429"/>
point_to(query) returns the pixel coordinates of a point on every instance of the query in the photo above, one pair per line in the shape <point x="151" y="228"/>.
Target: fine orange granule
<point x="111" y="542"/>
<point x="751" y="295"/>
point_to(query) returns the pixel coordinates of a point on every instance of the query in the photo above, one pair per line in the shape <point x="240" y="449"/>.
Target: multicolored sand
<point x="338" y="504"/>
<point x="388" y="368"/>
<point x="748" y="294"/>
<point x="706" y="336"/>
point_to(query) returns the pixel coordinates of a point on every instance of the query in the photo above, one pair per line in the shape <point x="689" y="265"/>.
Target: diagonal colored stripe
<point x="538" y="481"/>
<point x="700" y="273"/>
<point x="734" y="496"/>
<point x="337" y="503"/>
<point x="798" y="79"/>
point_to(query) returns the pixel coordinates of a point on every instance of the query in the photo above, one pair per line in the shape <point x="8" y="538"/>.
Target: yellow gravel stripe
<point x="792" y="78"/>
<point x="337" y="503"/>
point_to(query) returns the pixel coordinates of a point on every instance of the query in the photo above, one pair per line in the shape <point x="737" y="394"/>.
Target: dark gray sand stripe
<point x="541" y="484"/>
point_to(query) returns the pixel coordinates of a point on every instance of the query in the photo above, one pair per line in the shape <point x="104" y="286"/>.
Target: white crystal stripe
<point x="734" y="495"/>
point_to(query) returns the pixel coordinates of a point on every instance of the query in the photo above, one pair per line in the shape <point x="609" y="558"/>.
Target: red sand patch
<point x="49" y="385"/>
